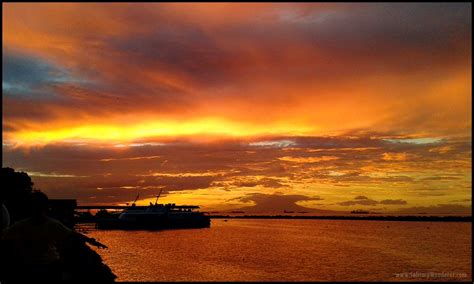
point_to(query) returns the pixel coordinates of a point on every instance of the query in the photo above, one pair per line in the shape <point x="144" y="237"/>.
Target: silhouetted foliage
<point x="15" y="188"/>
<point x="81" y="263"/>
<point x="77" y="262"/>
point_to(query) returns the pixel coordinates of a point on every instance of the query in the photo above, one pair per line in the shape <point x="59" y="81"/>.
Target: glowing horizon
<point x="122" y="134"/>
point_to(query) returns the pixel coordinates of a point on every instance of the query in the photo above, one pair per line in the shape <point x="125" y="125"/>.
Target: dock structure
<point x="105" y="207"/>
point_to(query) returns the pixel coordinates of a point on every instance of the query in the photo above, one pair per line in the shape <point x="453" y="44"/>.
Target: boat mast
<point x="158" y="196"/>
<point x="133" y="204"/>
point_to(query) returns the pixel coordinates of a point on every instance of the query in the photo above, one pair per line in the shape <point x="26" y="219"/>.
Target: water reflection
<point x="289" y="250"/>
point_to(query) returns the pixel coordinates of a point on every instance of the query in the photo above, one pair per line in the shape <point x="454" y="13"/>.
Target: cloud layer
<point x="221" y="102"/>
<point x="231" y="173"/>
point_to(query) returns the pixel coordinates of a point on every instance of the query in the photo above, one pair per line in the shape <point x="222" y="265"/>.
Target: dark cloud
<point x="265" y="182"/>
<point x="393" y="202"/>
<point x="364" y="200"/>
<point x="389" y="28"/>
<point x="367" y="202"/>
<point x="184" y="50"/>
<point x="32" y="77"/>
<point x="183" y="183"/>
<point x="123" y="188"/>
<point x="277" y="203"/>
<point x="361" y="197"/>
<point x="441" y="178"/>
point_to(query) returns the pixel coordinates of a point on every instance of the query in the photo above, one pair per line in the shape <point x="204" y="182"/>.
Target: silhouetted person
<point x="35" y="242"/>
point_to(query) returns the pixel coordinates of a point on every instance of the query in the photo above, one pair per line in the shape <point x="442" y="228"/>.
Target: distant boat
<point x="359" y="211"/>
<point x="157" y="216"/>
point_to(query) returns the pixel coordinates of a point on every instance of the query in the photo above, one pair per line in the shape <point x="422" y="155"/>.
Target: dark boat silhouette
<point x="156" y="216"/>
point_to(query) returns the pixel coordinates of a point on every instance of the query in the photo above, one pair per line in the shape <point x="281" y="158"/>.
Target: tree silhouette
<point x="14" y="190"/>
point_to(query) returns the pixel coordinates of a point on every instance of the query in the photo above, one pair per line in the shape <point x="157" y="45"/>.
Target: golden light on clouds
<point x="127" y="133"/>
<point x="310" y="104"/>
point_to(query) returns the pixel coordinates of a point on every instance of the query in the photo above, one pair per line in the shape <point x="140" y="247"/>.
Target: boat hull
<point x="153" y="223"/>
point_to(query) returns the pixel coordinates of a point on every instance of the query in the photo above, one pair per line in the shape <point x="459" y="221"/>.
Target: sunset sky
<point x="266" y="107"/>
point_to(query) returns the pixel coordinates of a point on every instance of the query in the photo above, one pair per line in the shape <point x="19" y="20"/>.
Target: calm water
<point x="291" y="250"/>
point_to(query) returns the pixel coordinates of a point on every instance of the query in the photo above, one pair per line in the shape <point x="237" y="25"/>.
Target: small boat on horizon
<point x="359" y="211"/>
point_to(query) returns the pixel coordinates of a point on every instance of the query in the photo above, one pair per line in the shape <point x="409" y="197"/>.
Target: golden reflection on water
<point x="291" y="250"/>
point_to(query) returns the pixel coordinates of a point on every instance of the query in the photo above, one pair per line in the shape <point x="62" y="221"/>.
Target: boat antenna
<point x="138" y="194"/>
<point x="158" y="196"/>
